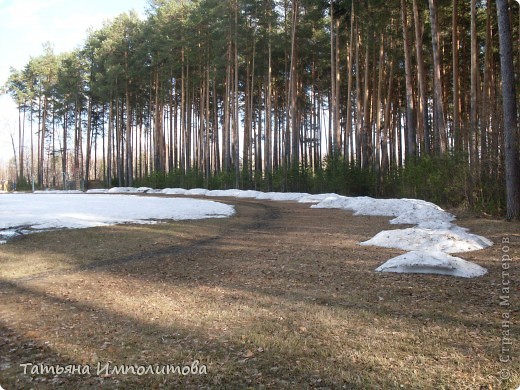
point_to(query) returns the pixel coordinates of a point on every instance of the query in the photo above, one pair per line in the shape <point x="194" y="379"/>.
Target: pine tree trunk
<point x="410" y="149"/>
<point x="89" y="132"/>
<point x="21" y="138"/>
<point x="42" y="135"/>
<point x="388" y="118"/>
<point x="129" y="153"/>
<point x="473" y="101"/>
<point x="421" y="75"/>
<point x="358" y="116"/>
<point x="226" y="134"/>
<point x="510" y="118"/>
<point x="236" y="105"/>
<point x="486" y="95"/>
<point x="64" y="151"/>
<point x="365" y="149"/>
<point x="456" y="78"/>
<point x="333" y="101"/>
<point x="377" y="105"/>
<point x="348" y="126"/>
<point x="109" y="146"/>
<point x="439" y="125"/>
<point x="268" y="122"/>
<point x="295" y="159"/>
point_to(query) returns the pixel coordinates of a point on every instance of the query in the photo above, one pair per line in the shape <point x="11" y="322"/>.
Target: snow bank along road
<point x="429" y="242"/>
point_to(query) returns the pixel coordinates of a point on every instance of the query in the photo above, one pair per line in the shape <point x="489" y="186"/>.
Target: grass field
<point x="278" y="296"/>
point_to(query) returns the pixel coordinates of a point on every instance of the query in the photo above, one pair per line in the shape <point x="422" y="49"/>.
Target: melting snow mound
<point x="448" y="240"/>
<point x="429" y="242"/>
<point x="432" y="262"/>
<point x="26" y="213"/>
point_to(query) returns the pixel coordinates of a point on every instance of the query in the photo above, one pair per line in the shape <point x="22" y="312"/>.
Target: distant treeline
<point x="386" y="98"/>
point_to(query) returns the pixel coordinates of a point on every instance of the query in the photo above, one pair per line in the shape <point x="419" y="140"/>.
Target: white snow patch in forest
<point x="59" y="192"/>
<point x="173" y="191"/>
<point x="432" y="262"/>
<point x="62" y="210"/>
<point x="317" y="198"/>
<point x="448" y="240"/>
<point x="429" y="242"/>
<point x="234" y="193"/>
<point x="404" y="211"/>
<point x="197" y="191"/>
<point x="282" y="196"/>
<point x="128" y="190"/>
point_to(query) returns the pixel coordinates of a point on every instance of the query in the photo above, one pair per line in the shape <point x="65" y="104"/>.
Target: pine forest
<point x="396" y="98"/>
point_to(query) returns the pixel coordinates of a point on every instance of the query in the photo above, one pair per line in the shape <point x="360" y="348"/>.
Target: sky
<point x="25" y="25"/>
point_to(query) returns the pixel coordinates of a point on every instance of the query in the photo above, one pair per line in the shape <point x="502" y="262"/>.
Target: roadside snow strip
<point x="429" y="242"/>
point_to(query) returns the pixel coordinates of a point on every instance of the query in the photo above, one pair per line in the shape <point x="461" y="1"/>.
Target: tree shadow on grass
<point x="68" y="332"/>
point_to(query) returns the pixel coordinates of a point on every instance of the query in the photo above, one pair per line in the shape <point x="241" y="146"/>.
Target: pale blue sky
<point x="26" y="24"/>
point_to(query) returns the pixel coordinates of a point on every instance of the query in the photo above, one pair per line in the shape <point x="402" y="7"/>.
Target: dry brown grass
<point x="279" y="296"/>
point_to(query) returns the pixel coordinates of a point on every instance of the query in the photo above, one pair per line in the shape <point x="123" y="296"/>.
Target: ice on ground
<point x="51" y="211"/>
<point x="432" y="262"/>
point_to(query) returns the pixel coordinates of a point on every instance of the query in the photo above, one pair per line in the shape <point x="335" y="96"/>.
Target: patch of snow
<point x="405" y="211"/>
<point x="128" y="190"/>
<point x="59" y="192"/>
<point x="6" y="235"/>
<point x="318" y="198"/>
<point x="196" y="191"/>
<point x="97" y="191"/>
<point x="224" y="193"/>
<point x="52" y="211"/>
<point x="451" y="240"/>
<point x="430" y="241"/>
<point x="173" y="191"/>
<point x="434" y="234"/>
<point x="432" y="262"/>
<point x="282" y="196"/>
